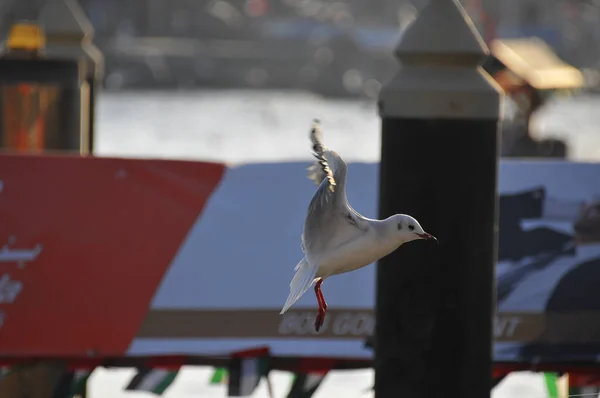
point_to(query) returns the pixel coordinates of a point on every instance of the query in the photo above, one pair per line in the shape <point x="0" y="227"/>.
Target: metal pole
<point x="439" y="160"/>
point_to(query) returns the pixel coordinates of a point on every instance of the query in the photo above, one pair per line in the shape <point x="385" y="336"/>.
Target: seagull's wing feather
<point x="320" y="169"/>
<point x="330" y="221"/>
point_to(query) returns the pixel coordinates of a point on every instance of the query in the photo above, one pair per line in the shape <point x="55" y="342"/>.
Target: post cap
<point x="442" y="28"/>
<point x="26" y="36"/>
<point x="65" y="21"/>
<point x="440" y="73"/>
<point x="69" y="34"/>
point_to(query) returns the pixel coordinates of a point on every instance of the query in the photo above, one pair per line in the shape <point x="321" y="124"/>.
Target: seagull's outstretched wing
<point x="321" y="169"/>
<point x="330" y="221"/>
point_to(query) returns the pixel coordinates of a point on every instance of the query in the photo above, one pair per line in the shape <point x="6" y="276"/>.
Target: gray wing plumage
<point x="330" y="220"/>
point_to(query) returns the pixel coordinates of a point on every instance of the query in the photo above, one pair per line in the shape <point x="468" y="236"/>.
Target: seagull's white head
<point x="406" y="228"/>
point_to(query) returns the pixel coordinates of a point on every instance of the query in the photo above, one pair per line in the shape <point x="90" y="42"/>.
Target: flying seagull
<point x="336" y="238"/>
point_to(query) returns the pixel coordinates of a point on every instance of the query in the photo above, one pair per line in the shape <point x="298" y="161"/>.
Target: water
<point x="251" y="126"/>
<point x="577" y="121"/>
<point x="234" y="127"/>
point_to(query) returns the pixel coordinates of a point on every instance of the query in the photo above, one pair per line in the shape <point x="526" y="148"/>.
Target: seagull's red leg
<point x="322" y="305"/>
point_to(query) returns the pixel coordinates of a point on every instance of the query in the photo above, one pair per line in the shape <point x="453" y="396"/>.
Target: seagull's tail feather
<point x="304" y="278"/>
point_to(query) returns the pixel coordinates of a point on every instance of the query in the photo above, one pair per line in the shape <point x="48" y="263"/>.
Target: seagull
<point x="336" y="238"/>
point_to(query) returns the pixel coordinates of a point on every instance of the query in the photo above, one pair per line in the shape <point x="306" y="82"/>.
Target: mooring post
<point x="69" y="35"/>
<point x="38" y="111"/>
<point x="439" y="163"/>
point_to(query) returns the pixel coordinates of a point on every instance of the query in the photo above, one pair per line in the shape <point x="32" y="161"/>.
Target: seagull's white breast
<point x="355" y="254"/>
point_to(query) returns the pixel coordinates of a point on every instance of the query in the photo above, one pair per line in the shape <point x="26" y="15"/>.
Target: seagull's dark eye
<point x="411" y="227"/>
<point x="399" y="227"/>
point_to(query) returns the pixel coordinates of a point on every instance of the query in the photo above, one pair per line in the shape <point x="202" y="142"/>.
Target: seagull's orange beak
<point x="425" y="235"/>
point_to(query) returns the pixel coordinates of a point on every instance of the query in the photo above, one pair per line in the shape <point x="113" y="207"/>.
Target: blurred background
<point x="332" y="48"/>
<point x="240" y="81"/>
<point x="276" y="64"/>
